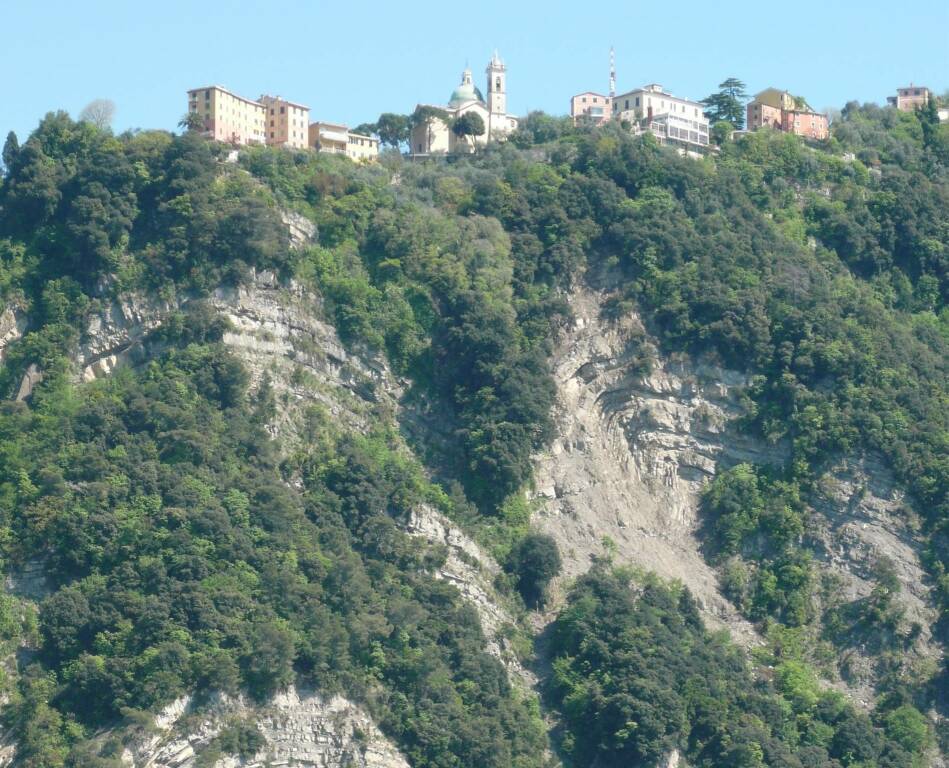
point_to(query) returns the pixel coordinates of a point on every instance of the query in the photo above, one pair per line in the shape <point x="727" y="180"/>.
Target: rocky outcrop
<point x="472" y="571"/>
<point x="302" y="230"/>
<point x="28" y="581"/>
<point x="636" y="443"/>
<point x="31" y="377"/>
<point x="275" y="330"/>
<point x="116" y="334"/>
<point x="861" y="518"/>
<point x="12" y="327"/>
<point x="299" y="729"/>
<point x="640" y="435"/>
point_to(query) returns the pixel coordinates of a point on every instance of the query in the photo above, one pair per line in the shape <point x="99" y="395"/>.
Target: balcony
<point x="326" y="135"/>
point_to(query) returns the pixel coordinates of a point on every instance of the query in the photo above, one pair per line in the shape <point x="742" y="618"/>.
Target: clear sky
<point x="349" y="61"/>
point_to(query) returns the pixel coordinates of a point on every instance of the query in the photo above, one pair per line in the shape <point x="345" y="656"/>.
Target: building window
<point x="283" y="110"/>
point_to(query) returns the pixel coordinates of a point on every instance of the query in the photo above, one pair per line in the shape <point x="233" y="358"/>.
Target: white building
<point x="673" y="120"/>
<point x="435" y="135"/>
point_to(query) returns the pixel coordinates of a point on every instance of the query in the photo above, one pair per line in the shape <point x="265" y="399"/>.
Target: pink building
<point x="811" y="125"/>
<point x="761" y="115"/>
<point x="780" y="110"/>
<point x="590" y="107"/>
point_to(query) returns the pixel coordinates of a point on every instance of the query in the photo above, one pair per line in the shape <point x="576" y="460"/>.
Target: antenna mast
<point x="612" y="73"/>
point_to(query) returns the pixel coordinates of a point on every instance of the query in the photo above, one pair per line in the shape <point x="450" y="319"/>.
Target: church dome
<point x="465" y="92"/>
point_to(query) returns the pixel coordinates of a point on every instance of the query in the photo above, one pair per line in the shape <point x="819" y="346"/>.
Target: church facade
<point x="434" y="135"/>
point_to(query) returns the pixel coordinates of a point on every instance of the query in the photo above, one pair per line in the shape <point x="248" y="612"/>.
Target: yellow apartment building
<point x="228" y="117"/>
<point x="337" y="139"/>
<point x="363" y="148"/>
<point x="331" y="138"/>
<point x="286" y="122"/>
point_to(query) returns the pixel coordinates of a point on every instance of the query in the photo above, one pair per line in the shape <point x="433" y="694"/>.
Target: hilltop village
<point x="470" y="119"/>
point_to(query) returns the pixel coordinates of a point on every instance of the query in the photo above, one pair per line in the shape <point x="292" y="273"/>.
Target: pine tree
<point x="728" y="103"/>
<point x="11" y="148"/>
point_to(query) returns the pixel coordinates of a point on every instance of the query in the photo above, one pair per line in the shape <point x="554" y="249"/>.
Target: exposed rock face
<point x="862" y="518"/>
<point x="472" y="571"/>
<point x="277" y="333"/>
<point x="302" y="230"/>
<point x="31" y="377"/>
<point x="28" y="581"/>
<point x="300" y="729"/>
<point x="633" y="453"/>
<point x="12" y="327"/>
<point x="115" y="335"/>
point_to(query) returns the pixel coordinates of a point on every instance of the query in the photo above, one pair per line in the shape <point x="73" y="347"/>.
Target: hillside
<point x="570" y="452"/>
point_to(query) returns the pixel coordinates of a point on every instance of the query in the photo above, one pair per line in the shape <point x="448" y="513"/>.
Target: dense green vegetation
<point x="636" y="675"/>
<point x="182" y="560"/>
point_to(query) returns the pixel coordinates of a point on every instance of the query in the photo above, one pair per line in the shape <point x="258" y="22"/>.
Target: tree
<point x="11" y="148"/>
<point x="393" y="129"/>
<point x="365" y="129"/>
<point x="722" y="131"/>
<point x="928" y="116"/>
<point x="728" y="103"/>
<point x="535" y="560"/>
<point x="191" y="121"/>
<point x="469" y="125"/>
<point x="907" y="726"/>
<point x="99" y="113"/>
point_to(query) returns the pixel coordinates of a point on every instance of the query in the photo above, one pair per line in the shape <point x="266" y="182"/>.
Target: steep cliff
<point x="638" y="437"/>
<point x="277" y="332"/>
<point x="298" y="728"/>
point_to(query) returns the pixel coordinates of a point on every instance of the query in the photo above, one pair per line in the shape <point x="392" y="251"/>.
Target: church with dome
<point x="434" y="135"/>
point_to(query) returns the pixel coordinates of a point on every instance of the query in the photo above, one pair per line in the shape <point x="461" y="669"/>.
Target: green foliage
<point x="534" y="561"/>
<point x="469" y="124"/>
<point x="453" y="298"/>
<point x="242" y="738"/>
<point x="88" y="205"/>
<point x="727" y="104"/>
<point x="393" y="129"/>
<point x="182" y="560"/>
<point x="11" y="148"/>
<point x="635" y="674"/>
<point x="907" y="726"/>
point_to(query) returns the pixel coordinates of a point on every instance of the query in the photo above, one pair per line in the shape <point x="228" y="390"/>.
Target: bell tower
<point x="497" y="86"/>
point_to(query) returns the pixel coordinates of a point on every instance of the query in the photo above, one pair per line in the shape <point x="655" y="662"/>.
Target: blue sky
<point x="350" y="65"/>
